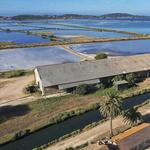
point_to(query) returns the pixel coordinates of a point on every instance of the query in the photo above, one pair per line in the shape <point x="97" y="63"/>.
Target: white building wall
<point x="38" y="81"/>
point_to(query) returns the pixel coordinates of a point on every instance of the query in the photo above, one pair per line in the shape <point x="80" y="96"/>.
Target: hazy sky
<point x="98" y="7"/>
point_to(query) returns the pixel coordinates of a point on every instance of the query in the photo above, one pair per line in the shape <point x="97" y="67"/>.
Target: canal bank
<point x="56" y="131"/>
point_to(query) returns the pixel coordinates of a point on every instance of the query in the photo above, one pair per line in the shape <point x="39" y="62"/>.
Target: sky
<point x="94" y="7"/>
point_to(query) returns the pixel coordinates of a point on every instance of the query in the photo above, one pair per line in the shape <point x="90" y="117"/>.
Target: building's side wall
<point x="38" y="81"/>
<point x="71" y="85"/>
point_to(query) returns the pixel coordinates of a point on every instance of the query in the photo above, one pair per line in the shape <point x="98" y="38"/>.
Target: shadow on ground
<point x="146" y="118"/>
<point x="9" y="112"/>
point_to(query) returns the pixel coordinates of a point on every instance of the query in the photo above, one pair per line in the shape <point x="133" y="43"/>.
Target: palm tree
<point x="132" y="116"/>
<point x="111" y="106"/>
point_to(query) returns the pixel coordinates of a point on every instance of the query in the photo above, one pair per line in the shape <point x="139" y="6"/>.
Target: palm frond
<point x="132" y="116"/>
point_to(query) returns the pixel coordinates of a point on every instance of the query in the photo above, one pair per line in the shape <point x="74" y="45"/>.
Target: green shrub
<point x="118" y="78"/>
<point x="82" y="89"/>
<point x="21" y="134"/>
<point x="11" y="74"/>
<point x="53" y="37"/>
<point x="28" y="32"/>
<point x="100" y="86"/>
<point x="100" y="56"/>
<point x="30" y="89"/>
<point x="69" y="148"/>
<point x="82" y="145"/>
<point x="8" y="30"/>
<point x="131" y="78"/>
<point x="15" y="73"/>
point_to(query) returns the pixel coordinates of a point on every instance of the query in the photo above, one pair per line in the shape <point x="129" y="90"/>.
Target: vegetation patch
<point x="15" y="73"/>
<point x="82" y="89"/>
<point x="100" y="56"/>
<point x="36" y="115"/>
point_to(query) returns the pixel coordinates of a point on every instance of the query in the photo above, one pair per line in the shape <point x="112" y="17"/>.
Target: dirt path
<point x="27" y="99"/>
<point x="81" y="55"/>
<point x="12" y="88"/>
<point x="93" y="133"/>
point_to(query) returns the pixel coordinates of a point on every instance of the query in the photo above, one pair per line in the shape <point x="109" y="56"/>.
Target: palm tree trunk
<point x="111" y="130"/>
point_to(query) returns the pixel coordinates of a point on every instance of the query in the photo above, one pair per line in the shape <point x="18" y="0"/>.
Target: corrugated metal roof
<point x="80" y="71"/>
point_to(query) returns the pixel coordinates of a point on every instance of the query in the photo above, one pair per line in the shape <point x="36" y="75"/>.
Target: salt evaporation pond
<point x="86" y="33"/>
<point x="119" y="47"/>
<point x="20" y="38"/>
<point x="24" y="58"/>
<point x="48" y="25"/>
<point x="17" y="27"/>
<point x="133" y="26"/>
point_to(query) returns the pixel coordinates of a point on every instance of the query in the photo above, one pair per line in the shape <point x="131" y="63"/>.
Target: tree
<point x="118" y="78"/>
<point x="132" y="116"/>
<point x="101" y="56"/>
<point x="111" y="106"/>
<point x="82" y="89"/>
<point x="131" y="79"/>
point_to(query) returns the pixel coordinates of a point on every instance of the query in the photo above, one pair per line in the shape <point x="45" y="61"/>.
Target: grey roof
<point x="88" y="70"/>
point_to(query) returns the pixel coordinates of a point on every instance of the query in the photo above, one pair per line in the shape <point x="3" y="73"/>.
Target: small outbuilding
<point x="121" y="85"/>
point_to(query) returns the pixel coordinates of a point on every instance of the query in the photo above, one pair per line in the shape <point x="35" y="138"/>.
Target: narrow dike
<point x="56" y="131"/>
<point x="81" y="55"/>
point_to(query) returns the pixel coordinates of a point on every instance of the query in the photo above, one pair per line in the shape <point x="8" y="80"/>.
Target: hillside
<point x="117" y="15"/>
<point x="78" y="16"/>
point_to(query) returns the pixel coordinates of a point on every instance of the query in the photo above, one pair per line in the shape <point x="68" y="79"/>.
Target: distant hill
<point x="117" y="15"/>
<point x="77" y="16"/>
<point x="123" y="15"/>
<point x="29" y="17"/>
<point x="65" y="16"/>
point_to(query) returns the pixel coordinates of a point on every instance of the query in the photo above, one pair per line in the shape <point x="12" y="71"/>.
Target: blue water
<point x="48" y="25"/>
<point x="134" y="26"/>
<point x="120" y="47"/>
<point x="15" y="27"/>
<point x="23" y="58"/>
<point x="20" y="38"/>
<point x="86" y="33"/>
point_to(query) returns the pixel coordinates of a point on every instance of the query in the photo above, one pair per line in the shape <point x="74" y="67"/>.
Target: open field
<point x="12" y="88"/>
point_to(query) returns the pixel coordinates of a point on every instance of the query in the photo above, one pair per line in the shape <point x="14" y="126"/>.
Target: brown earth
<point x="12" y="88"/>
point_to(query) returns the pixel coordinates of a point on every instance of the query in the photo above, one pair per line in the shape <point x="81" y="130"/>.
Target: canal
<point x="53" y="132"/>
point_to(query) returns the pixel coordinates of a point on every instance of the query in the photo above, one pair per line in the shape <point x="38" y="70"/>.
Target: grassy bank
<point x="7" y="43"/>
<point x="17" y="121"/>
<point x="116" y="131"/>
<point x="15" y="73"/>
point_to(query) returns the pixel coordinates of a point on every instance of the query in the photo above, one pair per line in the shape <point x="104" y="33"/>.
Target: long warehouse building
<point x="69" y="75"/>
